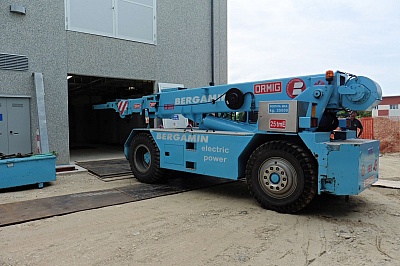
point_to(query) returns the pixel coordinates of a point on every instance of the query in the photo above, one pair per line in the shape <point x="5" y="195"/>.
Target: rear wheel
<point x="282" y="176"/>
<point x="144" y="159"/>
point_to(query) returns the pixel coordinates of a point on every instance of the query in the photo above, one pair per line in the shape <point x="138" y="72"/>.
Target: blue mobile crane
<point x="277" y="134"/>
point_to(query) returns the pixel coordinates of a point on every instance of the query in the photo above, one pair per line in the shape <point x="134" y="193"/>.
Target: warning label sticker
<point x="277" y="124"/>
<point x="278" y="108"/>
<point x="122" y="105"/>
<point x="169" y="107"/>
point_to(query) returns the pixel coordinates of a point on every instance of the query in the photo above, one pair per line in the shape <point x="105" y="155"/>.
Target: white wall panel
<point x="135" y="20"/>
<point x="91" y="16"/>
<point x="124" y="19"/>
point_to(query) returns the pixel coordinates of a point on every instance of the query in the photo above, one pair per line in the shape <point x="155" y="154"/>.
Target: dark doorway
<point x="88" y="127"/>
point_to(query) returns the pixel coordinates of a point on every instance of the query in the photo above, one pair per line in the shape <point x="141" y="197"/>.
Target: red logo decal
<point x="369" y="168"/>
<point x="277" y="123"/>
<point x="169" y="107"/>
<point x="137" y="106"/>
<point x="122" y="105"/>
<point x="295" y="87"/>
<point x="270" y="87"/>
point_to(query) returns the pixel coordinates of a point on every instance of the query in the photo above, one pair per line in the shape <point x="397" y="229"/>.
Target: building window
<point x="124" y="19"/>
<point x="394" y="106"/>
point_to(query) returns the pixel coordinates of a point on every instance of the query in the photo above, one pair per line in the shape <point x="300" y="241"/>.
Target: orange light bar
<point x="329" y="75"/>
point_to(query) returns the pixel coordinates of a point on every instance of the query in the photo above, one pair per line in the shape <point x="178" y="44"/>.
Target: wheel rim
<point x="142" y="158"/>
<point x="277" y="177"/>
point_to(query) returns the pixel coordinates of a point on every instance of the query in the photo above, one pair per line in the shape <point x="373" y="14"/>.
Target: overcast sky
<point x="286" y="38"/>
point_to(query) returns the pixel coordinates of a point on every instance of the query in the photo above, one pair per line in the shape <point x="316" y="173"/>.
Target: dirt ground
<point x="221" y="225"/>
<point x="387" y="130"/>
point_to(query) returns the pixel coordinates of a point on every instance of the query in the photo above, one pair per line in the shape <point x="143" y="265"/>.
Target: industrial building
<point x="388" y="107"/>
<point x="58" y="58"/>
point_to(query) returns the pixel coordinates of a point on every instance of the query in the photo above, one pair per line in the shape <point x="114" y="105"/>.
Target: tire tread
<point x="308" y="165"/>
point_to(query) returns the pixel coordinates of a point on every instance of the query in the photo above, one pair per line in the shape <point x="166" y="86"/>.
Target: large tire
<point x="282" y="176"/>
<point x="144" y="159"/>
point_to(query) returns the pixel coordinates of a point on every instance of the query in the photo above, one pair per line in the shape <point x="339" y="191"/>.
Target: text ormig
<point x="269" y="87"/>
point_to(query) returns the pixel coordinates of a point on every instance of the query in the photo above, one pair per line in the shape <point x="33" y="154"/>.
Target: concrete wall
<point x="182" y="54"/>
<point x="39" y="35"/>
<point x="184" y="42"/>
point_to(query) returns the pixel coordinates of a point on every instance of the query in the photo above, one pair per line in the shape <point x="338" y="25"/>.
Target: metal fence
<point x="368" y="125"/>
<point x="386" y="129"/>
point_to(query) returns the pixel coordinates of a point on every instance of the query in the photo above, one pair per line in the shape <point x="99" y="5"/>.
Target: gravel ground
<point x="220" y="225"/>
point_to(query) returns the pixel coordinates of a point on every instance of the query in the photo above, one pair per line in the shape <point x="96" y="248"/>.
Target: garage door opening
<point x="99" y="134"/>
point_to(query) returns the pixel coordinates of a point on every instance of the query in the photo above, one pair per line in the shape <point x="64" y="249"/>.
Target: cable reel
<point x="234" y="98"/>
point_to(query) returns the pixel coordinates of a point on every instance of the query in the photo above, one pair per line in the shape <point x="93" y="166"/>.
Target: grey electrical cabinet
<point x="15" y="125"/>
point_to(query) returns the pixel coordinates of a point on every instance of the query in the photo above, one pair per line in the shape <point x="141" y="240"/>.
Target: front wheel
<point x="144" y="159"/>
<point x="282" y="176"/>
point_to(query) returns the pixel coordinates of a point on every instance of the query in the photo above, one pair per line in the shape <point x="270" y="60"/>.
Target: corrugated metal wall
<point x="368" y="125"/>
